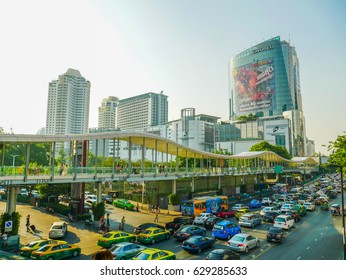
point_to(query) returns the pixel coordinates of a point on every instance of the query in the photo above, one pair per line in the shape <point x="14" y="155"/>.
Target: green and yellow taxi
<point x="123" y="203"/>
<point x="113" y="237"/>
<point x="155" y="254"/>
<point x="301" y="209"/>
<point x="242" y="212"/>
<point x="153" y="235"/>
<point x="56" y="252"/>
<point x="26" y="250"/>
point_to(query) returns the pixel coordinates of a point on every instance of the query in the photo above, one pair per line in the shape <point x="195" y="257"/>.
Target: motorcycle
<point x="88" y="223"/>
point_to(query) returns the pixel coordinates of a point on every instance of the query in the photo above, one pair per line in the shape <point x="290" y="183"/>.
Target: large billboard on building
<point x="254" y="85"/>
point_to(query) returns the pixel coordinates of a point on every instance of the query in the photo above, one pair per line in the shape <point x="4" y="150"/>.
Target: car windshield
<point x="57" y="227"/>
<point x="274" y="230"/>
<point x="215" y="256"/>
<point x="108" y="235"/>
<point x="147" y="231"/>
<point x="238" y="238"/>
<point x="187" y="204"/>
<point x="280" y="219"/>
<point x="193" y="239"/>
<point x="32" y="244"/>
<point x="184" y="229"/>
<point x="218" y="227"/>
<point x="142" y="256"/>
<point x="44" y="249"/>
<point x="115" y="248"/>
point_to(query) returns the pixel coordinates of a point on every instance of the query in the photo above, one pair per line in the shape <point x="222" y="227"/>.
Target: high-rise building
<point x="141" y="111"/>
<point x="68" y="104"/>
<point x="107" y="113"/>
<point x="264" y="81"/>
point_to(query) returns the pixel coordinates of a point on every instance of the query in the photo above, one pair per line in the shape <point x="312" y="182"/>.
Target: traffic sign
<point x="8" y="226"/>
<point x="278" y="169"/>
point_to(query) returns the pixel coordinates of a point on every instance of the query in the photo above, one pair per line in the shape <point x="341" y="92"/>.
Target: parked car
<point x="243" y="242"/>
<point x="270" y="216"/>
<point x="241" y="212"/>
<point x="126" y="250"/>
<point x="250" y="220"/>
<point x="223" y="254"/>
<point x="201" y="218"/>
<point x="225" y="214"/>
<point x="28" y="248"/>
<point x="123" y="203"/>
<point x="197" y="243"/>
<point x="186" y="232"/>
<point x="255" y="203"/>
<point x="238" y="206"/>
<point x="310" y="206"/>
<point x="225" y="229"/>
<point x="56" y="252"/>
<point x="275" y="234"/>
<point x="109" y="239"/>
<point x="284" y="221"/>
<point x="57" y="230"/>
<point x="155" y="254"/>
<point x="142" y="227"/>
<point x="211" y="221"/>
<point x="178" y="222"/>
<point x="153" y="235"/>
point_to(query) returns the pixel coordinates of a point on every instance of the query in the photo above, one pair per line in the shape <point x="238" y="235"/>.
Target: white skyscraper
<point x="107" y="113"/>
<point x="68" y="104"/>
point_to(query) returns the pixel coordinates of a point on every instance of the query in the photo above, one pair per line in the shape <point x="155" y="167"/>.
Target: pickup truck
<point x="178" y="222"/>
<point x="225" y="214"/>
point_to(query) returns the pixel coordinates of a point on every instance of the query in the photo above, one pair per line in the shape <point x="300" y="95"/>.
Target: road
<point x="316" y="237"/>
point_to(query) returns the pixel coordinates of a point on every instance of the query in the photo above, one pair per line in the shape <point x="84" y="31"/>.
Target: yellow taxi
<point x="241" y="212"/>
<point x="155" y="254"/>
<point x="152" y="235"/>
<point x="56" y="252"/>
<point x="111" y="238"/>
<point x="28" y="248"/>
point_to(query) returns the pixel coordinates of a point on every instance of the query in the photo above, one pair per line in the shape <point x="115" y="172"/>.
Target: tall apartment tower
<point x="68" y="104"/>
<point x="141" y="111"/>
<point x="108" y="113"/>
<point x="264" y="81"/>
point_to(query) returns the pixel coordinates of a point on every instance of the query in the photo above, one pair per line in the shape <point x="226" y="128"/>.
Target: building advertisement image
<point x="254" y="85"/>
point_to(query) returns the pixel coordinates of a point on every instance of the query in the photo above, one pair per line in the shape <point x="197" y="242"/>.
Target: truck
<point x="178" y="222"/>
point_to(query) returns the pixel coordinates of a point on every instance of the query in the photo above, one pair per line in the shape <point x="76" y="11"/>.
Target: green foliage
<point x="57" y="208"/>
<point x="250" y="117"/>
<point x="265" y="146"/>
<point x="99" y="209"/>
<point x="47" y="191"/>
<point x="15" y="218"/>
<point x="173" y="199"/>
<point x="338" y="151"/>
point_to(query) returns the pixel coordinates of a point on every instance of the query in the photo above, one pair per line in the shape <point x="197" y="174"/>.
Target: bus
<point x="204" y="204"/>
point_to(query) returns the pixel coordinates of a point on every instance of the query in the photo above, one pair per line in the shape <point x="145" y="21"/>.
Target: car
<point x="335" y="209"/>
<point x="294" y="214"/>
<point x="109" y="239"/>
<point x="178" y="222"/>
<point x="155" y="254"/>
<point x="201" y="218"/>
<point x="310" y="206"/>
<point x="57" y="230"/>
<point x="186" y="232"/>
<point x="197" y="243"/>
<point x="126" y="250"/>
<point x="225" y="229"/>
<point x="286" y="206"/>
<point x="28" y="248"/>
<point x="239" y="206"/>
<point x="267" y="201"/>
<point x="91" y="198"/>
<point x="223" y="254"/>
<point x="284" y="221"/>
<point x="255" y="203"/>
<point x="243" y="242"/>
<point x="275" y="234"/>
<point x="142" y="227"/>
<point x="225" y="214"/>
<point x="250" y="220"/>
<point x="56" y="252"/>
<point x="153" y="235"/>
<point x="241" y="212"/>
<point x="123" y="203"/>
<point x="301" y="209"/>
<point x="107" y="198"/>
<point x="270" y="216"/>
<point x="211" y="221"/>
<point x="266" y="209"/>
<point x="332" y="194"/>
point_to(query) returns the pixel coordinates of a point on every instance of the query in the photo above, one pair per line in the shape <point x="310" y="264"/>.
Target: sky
<point x="182" y="47"/>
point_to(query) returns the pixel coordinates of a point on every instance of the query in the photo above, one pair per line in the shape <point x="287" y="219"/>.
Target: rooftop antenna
<point x="289" y="38"/>
<point x="11" y="130"/>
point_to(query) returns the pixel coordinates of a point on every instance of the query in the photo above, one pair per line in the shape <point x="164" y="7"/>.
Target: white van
<point x="284" y="221"/>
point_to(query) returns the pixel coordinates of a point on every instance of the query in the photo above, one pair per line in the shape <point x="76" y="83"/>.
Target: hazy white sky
<point x="129" y="47"/>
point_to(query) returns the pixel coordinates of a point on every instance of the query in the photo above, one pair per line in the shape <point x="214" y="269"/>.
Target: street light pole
<point x="14" y="161"/>
<point x="343" y="210"/>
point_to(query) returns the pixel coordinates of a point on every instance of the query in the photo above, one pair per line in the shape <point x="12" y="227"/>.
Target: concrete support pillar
<point x="11" y="199"/>
<point x="174" y="186"/>
<point x="99" y="192"/>
<point x="193" y="184"/>
<point x="219" y="183"/>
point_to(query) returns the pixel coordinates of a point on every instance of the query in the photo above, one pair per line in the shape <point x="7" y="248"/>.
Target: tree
<point x="338" y="151"/>
<point x="265" y="146"/>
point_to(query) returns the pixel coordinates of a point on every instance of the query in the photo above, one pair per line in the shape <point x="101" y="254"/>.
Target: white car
<point x="309" y="206"/>
<point x="284" y="221"/>
<point x="267" y="209"/>
<point x="58" y="230"/>
<point x="286" y="206"/>
<point x="91" y="198"/>
<point x="242" y="242"/>
<point x="201" y="218"/>
<point x="266" y="201"/>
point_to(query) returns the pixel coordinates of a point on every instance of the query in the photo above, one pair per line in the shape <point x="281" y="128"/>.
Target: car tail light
<point x="228" y="243"/>
<point x="278" y="235"/>
<point x="193" y="246"/>
<point x="240" y="245"/>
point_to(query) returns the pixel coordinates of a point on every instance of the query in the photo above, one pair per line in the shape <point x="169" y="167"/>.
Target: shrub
<point x="173" y="199"/>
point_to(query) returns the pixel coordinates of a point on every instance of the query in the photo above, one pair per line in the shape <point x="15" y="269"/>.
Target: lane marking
<point x="299" y="258"/>
<point x="308" y="248"/>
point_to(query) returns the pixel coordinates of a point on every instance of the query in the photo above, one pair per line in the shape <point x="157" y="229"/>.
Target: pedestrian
<point x="122" y="225"/>
<point x="102" y="222"/>
<point x="61" y="169"/>
<point x="137" y="207"/>
<point x="4" y="240"/>
<point x="108" y="223"/>
<point x="103" y="254"/>
<point x="156" y="217"/>
<point x="28" y="223"/>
